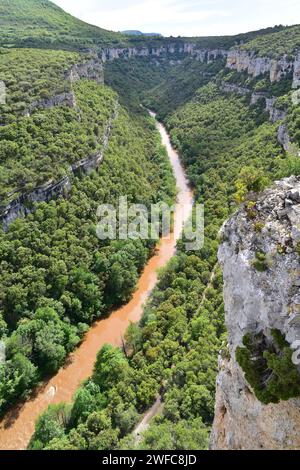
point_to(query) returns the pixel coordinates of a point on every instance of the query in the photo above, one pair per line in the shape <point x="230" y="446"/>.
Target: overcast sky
<point x="185" y="17"/>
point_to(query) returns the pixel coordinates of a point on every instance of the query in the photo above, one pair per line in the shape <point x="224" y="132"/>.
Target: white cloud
<point x="185" y="17"/>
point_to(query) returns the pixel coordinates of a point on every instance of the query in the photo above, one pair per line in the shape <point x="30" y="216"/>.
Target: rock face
<point x="258" y="302"/>
<point x="203" y="55"/>
<point x="92" y="70"/>
<point x="244" y="61"/>
<point x="296" y="81"/>
<point x="276" y="114"/>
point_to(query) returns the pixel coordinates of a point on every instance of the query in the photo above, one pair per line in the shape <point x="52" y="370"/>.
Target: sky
<point x="185" y="17"/>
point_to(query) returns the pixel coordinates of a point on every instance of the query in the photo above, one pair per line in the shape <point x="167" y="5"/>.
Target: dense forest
<point x="57" y="277"/>
<point x="225" y="146"/>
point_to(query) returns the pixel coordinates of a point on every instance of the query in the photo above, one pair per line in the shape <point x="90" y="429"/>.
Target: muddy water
<point x="18" y="426"/>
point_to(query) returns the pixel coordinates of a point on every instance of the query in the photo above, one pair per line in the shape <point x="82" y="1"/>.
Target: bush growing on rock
<point x="268" y="367"/>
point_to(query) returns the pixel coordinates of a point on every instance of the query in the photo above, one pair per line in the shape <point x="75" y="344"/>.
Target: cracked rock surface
<point x="259" y="301"/>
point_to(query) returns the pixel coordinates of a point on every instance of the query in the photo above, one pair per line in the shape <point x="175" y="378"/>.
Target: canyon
<point x="94" y="69"/>
<point x="17" y="426"/>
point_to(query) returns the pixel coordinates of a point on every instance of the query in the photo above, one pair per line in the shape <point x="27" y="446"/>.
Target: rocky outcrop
<point x="257" y="302"/>
<point x="61" y="99"/>
<point x="24" y="204"/>
<point x="284" y="138"/>
<point x="232" y="88"/>
<point x="276" y="114"/>
<point x="203" y="55"/>
<point x="253" y="65"/>
<point x="92" y="70"/>
<point x="236" y="59"/>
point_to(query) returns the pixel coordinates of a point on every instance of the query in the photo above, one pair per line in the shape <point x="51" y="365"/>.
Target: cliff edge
<point x="257" y="404"/>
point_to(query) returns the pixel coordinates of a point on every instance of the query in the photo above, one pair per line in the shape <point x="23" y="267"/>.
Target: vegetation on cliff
<point x="268" y="367"/>
<point x="40" y="148"/>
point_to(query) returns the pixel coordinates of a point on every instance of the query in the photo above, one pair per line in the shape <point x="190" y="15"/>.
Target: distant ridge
<point x="134" y="32"/>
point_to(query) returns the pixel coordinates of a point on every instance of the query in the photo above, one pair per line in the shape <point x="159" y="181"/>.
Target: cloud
<point x="185" y="17"/>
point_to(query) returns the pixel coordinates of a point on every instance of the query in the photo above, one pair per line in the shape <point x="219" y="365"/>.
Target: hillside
<point x="40" y="23"/>
<point x="277" y="43"/>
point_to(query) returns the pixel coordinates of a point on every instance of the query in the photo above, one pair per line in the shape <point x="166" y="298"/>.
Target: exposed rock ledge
<point x="24" y="204"/>
<point x="203" y="55"/>
<point x="259" y="302"/>
<point x="276" y="114"/>
<point x="244" y="61"/>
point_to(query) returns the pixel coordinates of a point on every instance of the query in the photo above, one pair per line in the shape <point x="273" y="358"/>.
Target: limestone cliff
<point x="236" y="59"/>
<point x="258" y="300"/>
<point x="250" y="62"/>
<point x="167" y="50"/>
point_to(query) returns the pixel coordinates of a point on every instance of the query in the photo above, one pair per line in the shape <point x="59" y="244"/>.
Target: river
<point x="17" y="427"/>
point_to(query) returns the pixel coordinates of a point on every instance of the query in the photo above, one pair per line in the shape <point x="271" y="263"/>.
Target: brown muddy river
<point x="17" y="427"/>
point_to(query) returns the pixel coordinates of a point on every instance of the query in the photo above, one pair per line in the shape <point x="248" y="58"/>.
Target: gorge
<point x="16" y="436"/>
<point x="98" y="332"/>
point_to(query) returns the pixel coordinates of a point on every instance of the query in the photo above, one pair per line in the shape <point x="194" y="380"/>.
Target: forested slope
<point x="40" y="23"/>
<point x="38" y="143"/>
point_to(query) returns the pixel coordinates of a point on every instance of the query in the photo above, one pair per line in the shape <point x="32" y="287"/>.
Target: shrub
<point x="260" y="262"/>
<point x="268" y="367"/>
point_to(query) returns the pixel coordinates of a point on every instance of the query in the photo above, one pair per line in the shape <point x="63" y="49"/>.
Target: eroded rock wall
<point x="258" y="302"/>
<point x="244" y="61"/>
<point x="203" y="55"/>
